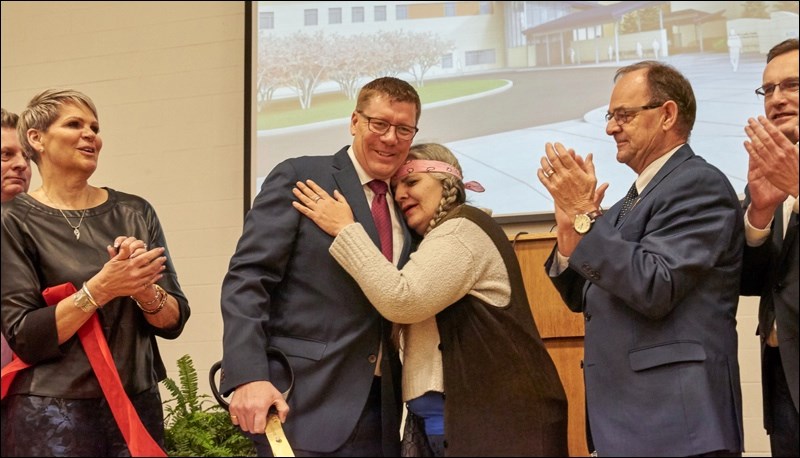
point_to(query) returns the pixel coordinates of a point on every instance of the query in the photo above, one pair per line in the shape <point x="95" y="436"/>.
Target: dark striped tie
<point x="628" y="201"/>
<point x="380" y="213"/>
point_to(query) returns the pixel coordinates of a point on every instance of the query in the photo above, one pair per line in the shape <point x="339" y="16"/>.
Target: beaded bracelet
<point x="151" y="301"/>
<point x="161" y="295"/>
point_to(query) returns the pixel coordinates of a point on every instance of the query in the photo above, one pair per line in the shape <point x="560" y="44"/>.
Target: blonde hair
<point x="43" y="110"/>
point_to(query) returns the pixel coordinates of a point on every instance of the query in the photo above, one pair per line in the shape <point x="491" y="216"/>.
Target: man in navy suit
<point x="771" y="255"/>
<point x="656" y="277"/>
<point x="284" y="290"/>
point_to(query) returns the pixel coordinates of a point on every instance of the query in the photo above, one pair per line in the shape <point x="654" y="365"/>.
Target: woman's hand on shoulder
<point x="331" y="214"/>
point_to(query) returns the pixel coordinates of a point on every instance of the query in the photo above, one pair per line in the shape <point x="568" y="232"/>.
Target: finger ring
<point x="317" y="199"/>
<point x="547" y="173"/>
<point x="234" y="417"/>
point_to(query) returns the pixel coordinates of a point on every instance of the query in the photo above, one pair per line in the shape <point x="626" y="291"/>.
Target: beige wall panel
<point x="168" y="81"/>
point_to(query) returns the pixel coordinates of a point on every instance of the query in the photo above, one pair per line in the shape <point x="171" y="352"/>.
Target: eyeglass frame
<point x="627" y="112"/>
<point x="768" y="90"/>
<point x="371" y="119"/>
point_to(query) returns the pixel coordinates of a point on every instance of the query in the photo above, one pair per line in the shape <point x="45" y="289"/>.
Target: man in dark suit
<point x="771" y="253"/>
<point x="15" y="177"/>
<point x="656" y="277"/>
<point x="284" y="290"/>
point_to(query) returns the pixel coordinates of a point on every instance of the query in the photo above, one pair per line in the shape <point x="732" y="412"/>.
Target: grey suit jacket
<point x="771" y="271"/>
<point x="659" y="292"/>
<point x="283" y="289"/>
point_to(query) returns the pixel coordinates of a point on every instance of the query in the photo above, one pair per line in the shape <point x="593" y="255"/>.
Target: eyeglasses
<point x="379" y="126"/>
<point x="625" y="115"/>
<point x="787" y="85"/>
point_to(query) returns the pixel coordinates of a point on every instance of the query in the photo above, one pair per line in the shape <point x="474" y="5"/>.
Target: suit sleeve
<point x="263" y="252"/>
<point x="756" y="262"/>
<point x="568" y="284"/>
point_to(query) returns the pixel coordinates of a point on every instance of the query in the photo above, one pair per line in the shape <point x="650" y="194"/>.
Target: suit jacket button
<point x="587" y="316"/>
<point x="778" y="287"/>
<point x="581" y="364"/>
<point x="439" y="347"/>
<point x="372" y="359"/>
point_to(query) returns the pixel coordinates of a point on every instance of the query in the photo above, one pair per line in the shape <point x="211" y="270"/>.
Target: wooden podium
<point x="561" y="330"/>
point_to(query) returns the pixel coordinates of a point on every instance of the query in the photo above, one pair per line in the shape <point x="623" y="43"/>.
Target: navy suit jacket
<point x="771" y="271"/>
<point x="283" y="289"/>
<point x="659" y="292"/>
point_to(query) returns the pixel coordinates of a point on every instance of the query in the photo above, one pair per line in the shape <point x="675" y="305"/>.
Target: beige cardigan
<point x="453" y="260"/>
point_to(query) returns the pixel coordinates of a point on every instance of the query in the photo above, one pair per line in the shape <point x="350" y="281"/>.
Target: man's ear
<point x="670" y="115"/>
<point x="353" y="121"/>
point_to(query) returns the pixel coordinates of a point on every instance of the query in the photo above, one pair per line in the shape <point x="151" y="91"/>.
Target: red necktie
<point x="380" y="213"/>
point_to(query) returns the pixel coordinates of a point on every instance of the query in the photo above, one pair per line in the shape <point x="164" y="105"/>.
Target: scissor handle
<point x="271" y="352"/>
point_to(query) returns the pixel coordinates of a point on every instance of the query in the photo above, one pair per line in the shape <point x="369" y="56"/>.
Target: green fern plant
<point x="194" y="428"/>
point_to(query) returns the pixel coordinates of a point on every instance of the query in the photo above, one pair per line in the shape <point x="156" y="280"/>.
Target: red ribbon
<point x="139" y="441"/>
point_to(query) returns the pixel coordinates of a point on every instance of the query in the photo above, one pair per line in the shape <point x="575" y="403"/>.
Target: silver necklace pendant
<point x="75" y="229"/>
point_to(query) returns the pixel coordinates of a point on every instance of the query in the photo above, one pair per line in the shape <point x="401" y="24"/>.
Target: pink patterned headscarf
<point x="426" y="166"/>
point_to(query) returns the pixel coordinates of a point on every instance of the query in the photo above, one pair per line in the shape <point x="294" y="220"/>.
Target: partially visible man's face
<point x="16" y="167"/>
<point x="781" y="106"/>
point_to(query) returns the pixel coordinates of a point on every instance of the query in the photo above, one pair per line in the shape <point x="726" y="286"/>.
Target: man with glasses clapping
<point x="656" y="277"/>
<point x="771" y="254"/>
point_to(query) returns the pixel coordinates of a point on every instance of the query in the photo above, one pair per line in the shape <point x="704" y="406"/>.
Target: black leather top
<point x="39" y="249"/>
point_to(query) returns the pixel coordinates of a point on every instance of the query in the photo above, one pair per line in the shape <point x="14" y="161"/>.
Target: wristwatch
<point x="583" y="222"/>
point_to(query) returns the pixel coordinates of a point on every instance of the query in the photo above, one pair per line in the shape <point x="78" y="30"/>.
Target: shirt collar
<point x="363" y="176"/>
<point x="651" y="170"/>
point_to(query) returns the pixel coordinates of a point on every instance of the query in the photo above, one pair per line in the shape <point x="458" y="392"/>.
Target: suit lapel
<point x="789" y="240"/>
<point x="683" y="154"/>
<point x="407" y="240"/>
<point x="349" y="185"/>
<point x="777" y="226"/>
